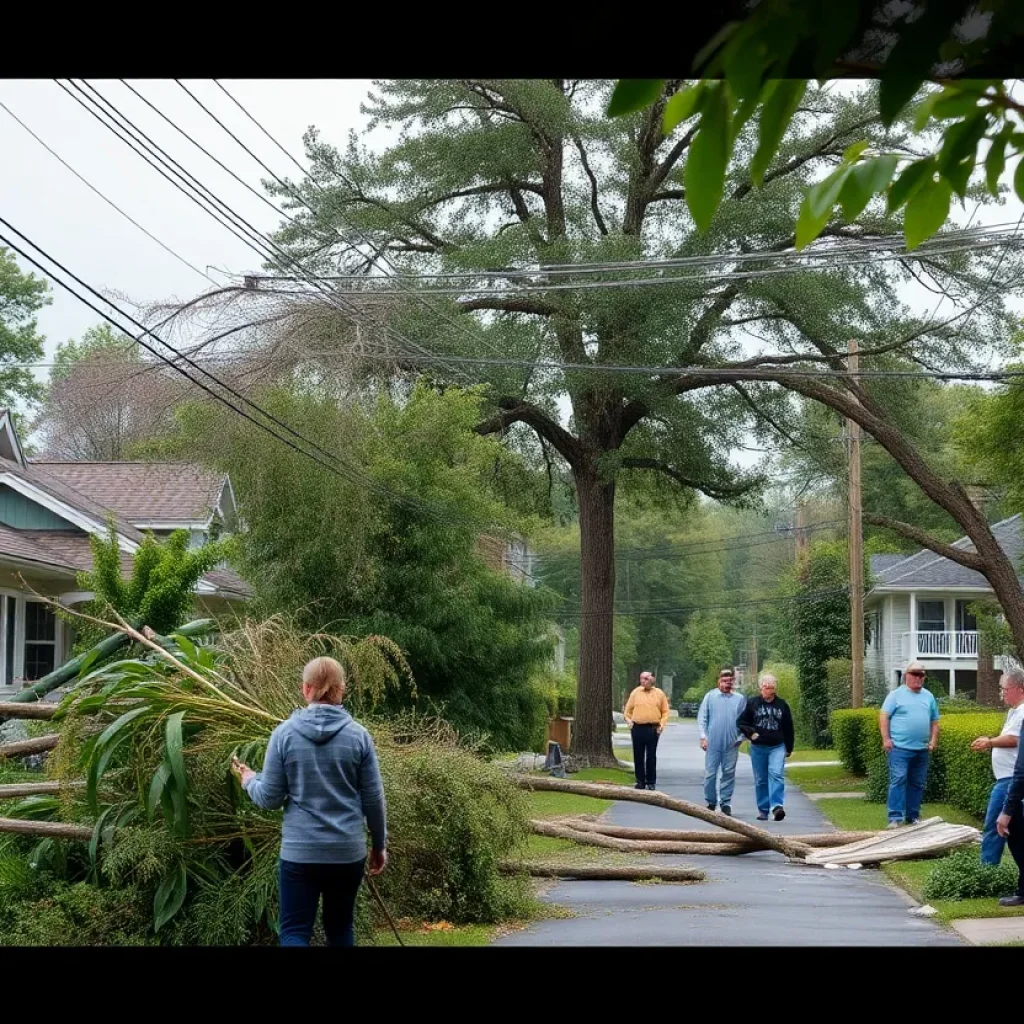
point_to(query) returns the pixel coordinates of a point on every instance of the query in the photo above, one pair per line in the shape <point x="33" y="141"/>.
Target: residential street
<point x="756" y="899"/>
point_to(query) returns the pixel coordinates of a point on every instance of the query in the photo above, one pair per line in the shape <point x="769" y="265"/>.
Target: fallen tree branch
<point x="46" y="829"/>
<point x="10" y="710"/>
<point x="587" y="838"/>
<point x="17" y="790"/>
<point x="817" y="840"/>
<point x="22" y="748"/>
<point x="603" y="791"/>
<point x="596" y="872"/>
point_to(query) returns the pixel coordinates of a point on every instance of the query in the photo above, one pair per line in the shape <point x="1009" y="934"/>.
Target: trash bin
<point x="560" y="730"/>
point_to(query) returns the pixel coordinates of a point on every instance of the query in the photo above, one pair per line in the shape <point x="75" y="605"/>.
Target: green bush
<point x="838" y="675"/>
<point x="848" y="727"/>
<point x="959" y="706"/>
<point x="695" y="694"/>
<point x="962" y="876"/>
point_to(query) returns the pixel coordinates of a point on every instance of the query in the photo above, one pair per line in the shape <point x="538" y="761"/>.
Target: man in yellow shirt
<point x="646" y="715"/>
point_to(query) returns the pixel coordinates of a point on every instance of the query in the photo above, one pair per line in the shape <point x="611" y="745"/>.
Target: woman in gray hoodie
<point x="321" y="766"/>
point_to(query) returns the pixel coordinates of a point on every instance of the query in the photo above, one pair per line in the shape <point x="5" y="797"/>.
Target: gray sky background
<point x="44" y="199"/>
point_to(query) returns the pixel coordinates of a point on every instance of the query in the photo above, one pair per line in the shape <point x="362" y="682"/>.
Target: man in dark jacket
<point x="768" y="723"/>
<point x="1010" y="824"/>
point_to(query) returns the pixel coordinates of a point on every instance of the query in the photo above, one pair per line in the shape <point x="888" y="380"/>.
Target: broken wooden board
<point x="925" y="839"/>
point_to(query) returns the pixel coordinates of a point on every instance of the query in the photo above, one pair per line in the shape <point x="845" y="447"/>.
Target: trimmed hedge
<point x="956" y="775"/>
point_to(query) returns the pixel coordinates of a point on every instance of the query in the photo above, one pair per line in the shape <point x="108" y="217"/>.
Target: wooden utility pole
<point x="801" y="533"/>
<point x="753" y="658"/>
<point x="856" y="536"/>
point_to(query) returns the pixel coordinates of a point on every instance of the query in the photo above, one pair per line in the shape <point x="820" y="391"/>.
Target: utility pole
<point x="801" y="533"/>
<point x="856" y="541"/>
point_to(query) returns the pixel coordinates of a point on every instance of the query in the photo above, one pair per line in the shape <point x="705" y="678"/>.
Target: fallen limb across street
<point x="601" y="873"/>
<point x="587" y="838"/>
<point x="603" y="791"/>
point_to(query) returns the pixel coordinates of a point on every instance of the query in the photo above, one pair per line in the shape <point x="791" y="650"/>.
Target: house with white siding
<point x="919" y="609"/>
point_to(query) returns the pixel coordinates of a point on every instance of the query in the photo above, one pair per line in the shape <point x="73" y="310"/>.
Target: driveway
<point x="758" y="899"/>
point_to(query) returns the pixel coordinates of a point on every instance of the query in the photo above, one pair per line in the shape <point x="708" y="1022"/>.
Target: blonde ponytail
<point x="326" y="680"/>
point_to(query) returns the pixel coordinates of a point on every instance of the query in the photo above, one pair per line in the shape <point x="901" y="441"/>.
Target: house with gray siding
<point x="919" y="609"/>
<point x="48" y="512"/>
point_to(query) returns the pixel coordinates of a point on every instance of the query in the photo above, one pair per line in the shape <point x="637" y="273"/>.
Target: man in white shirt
<point x="1004" y="754"/>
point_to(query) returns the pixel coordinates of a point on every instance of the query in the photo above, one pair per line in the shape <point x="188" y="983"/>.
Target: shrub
<point x="839" y="674"/>
<point x="695" y="694"/>
<point x="848" y="727"/>
<point x="962" y="876"/>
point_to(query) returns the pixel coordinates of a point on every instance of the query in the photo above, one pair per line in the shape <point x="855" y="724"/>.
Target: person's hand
<point x="887" y="745"/>
<point x="241" y="771"/>
<point x="378" y="861"/>
<point x="981" y="744"/>
<point x="629" y="722"/>
<point x="753" y="736"/>
<point x="931" y="746"/>
<point x="1003" y="825"/>
<point x="703" y="744"/>
<point x="660" y="729"/>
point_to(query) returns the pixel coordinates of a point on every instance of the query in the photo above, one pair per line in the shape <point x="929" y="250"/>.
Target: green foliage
<point x="962" y="876"/>
<point x="159" y="592"/>
<point x="782" y="40"/>
<point x="391" y="548"/>
<point x="695" y="694"/>
<point x="853" y="733"/>
<point x="821" y="618"/>
<point x="708" y="645"/>
<point x="21" y="297"/>
<point x="839" y="677"/>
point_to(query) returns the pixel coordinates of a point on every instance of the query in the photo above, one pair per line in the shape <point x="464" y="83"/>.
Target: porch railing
<point x="940" y="644"/>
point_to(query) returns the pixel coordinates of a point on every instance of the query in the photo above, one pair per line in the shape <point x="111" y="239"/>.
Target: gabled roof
<point x="927" y="569"/>
<point x="143" y="492"/>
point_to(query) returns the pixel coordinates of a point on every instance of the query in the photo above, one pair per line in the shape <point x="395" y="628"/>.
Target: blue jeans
<point x="908" y="772"/>
<point x="301" y="888"/>
<point x="992" y="843"/>
<point x="769" y="764"/>
<point x="724" y="761"/>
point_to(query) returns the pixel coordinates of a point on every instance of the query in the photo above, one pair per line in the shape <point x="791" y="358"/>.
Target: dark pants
<point x="302" y="885"/>
<point x="645" y="754"/>
<point x="1016" y="844"/>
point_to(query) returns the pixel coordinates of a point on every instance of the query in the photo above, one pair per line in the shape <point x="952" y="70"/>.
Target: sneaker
<point x="651" y="785"/>
<point x="916" y="821"/>
<point x="727" y="810"/>
<point x="762" y="816"/>
<point x="893" y="825"/>
<point x="639" y="785"/>
<point x="779" y="813"/>
<point x="711" y="807"/>
<point x="1012" y="901"/>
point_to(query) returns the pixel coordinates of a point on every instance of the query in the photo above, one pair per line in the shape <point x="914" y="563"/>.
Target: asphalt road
<point x="758" y="899"/>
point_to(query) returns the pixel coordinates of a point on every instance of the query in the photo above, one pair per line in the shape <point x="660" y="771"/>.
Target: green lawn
<point x="859" y="815"/>
<point x="809" y="754"/>
<point x="825" y="779"/>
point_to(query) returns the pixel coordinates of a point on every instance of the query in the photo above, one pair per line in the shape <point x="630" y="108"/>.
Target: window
<point x="965" y="621"/>
<point x="40" y="640"/>
<point x="931" y="616"/>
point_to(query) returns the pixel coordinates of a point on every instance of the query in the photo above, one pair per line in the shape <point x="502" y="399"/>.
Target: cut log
<point x="926" y="839"/>
<point x="603" y="791"/>
<point x="600" y="873"/>
<point x="553" y="831"/>
<point x="8" y="709"/>
<point x="589" y="823"/>
<point x="17" y="790"/>
<point x="45" y="829"/>
<point x="23" y="748"/>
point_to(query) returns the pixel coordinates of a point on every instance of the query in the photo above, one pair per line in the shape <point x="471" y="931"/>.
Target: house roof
<point x="143" y="492"/>
<point x="927" y="569"/>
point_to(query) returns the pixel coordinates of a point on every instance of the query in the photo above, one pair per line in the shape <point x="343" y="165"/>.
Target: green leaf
<point x="744" y="63"/>
<point x="961" y="141"/>
<point x="1018" y="179"/>
<point x="97" y="832"/>
<point x="169" y="896"/>
<point x="823" y="196"/>
<point x="704" y="175"/>
<point x="156" y="788"/>
<point x="682" y="106"/>
<point x="954" y="104"/>
<point x="926" y="212"/>
<point x="104" y="749"/>
<point x="995" y="163"/>
<point x="175" y="756"/>
<point x="959" y="176"/>
<point x="808" y="226"/>
<point x="852" y="152"/>
<point x="894" y="94"/>
<point x="778" y="111"/>
<point x="714" y="43"/>
<point x="866" y="180"/>
<point x="912" y="178"/>
<point x="924" y="111"/>
<point x="632" y="94"/>
<point x="186" y="646"/>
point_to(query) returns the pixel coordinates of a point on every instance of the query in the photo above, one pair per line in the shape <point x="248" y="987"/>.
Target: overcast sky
<point x="42" y="198"/>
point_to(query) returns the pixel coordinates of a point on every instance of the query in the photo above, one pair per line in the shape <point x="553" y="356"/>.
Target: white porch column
<point x="952" y="680"/>
<point x="951" y="629"/>
<point x="913" y="627"/>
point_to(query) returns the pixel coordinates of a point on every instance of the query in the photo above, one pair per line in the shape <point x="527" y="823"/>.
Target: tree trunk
<point x="12" y="710"/>
<point x="601" y="873"/>
<point x="671" y="835"/>
<point x="588" y="838"/>
<point x="592" y="734"/>
<point x="610" y="792"/>
<point x="45" y="829"/>
<point x="18" y="790"/>
<point x="23" y="748"/>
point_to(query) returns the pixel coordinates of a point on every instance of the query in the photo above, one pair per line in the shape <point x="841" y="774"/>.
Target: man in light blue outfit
<point x="720" y="739"/>
<point x="909" y="723"/>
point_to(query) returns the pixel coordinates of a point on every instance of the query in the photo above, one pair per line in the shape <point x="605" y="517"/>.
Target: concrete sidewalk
<point x="758" y="899"/>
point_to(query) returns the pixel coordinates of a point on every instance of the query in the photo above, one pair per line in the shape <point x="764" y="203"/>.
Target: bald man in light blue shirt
<point x="720" y="739"/>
